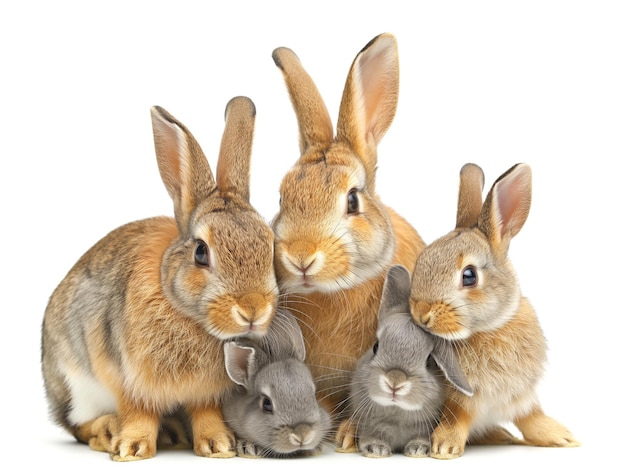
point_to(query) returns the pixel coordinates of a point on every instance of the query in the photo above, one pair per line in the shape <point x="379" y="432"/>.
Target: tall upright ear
<point x="370" y="98"/>
<point x="182" y="165"/>
<point x="470" y="202"/>
<point x="445" y="357"/>
<point x="284" y="338"/>
<point x="396" y="293"/>
<point x="239" y="361"/>
<point x="233" y="165"/>
<point x="314" y="123"/>
<point x="506" y="207"/>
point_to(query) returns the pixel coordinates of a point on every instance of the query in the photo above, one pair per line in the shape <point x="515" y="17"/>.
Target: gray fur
<point x="414" y="361"/>
<point x="273" y="369"/>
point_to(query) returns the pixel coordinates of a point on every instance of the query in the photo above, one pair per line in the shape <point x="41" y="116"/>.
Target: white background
<point x="495" y="83"/>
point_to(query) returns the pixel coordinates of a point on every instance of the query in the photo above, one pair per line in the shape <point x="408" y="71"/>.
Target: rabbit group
<point x="219" y="330"/>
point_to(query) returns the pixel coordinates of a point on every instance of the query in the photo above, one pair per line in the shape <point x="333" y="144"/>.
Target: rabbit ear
<point x="444" y="356"/>
<point x="472" y="181"/>
<point x="284" y="338"/>
<point x="370" y="98"/>
<point x="506" y="207"/>
<point x="233" y="165"/>
<point x="396" y="292"/>
<point x="239" y="361"/>
<point x="314" y="123"/>
<point x="182" y="164"/>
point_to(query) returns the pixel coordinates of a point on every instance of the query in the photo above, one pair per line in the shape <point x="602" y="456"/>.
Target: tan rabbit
<point x="136" y="328"/>
<point x="334" y="238"/>
<point x="464" y="289"/>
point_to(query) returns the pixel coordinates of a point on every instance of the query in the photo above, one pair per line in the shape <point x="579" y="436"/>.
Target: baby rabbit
<point x="137" y="326"/>
<point x="275" y="413"/>
<point x="464" y="289"/>
<point x="334" y="238"/>
<point x="397" y="391"/>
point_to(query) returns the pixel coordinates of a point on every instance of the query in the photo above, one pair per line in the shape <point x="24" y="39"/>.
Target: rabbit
<point x="275" y="413"/>
<point x="334" y="237"/>
<point x="136" y="329"/>
<point x="397" y="390"/>
<point x="464" y="289"/>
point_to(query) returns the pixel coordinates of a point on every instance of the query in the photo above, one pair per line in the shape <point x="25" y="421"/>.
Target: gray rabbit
<point x="397" y="390"/>
<point x="275" y="412"/>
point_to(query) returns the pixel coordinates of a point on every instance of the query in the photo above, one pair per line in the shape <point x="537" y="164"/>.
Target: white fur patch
<point x="90" y="399"/>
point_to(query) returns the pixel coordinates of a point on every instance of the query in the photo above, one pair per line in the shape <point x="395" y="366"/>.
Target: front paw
<point x="249" y="449"/>
<point x="133" y="449"/>
<point x="447" y="443"/>
<point x="375" y="449"/>
<point x="219" y="445"/>
<point x="418" y="447"/>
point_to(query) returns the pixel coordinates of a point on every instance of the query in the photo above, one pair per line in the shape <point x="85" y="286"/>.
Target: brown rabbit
<point x="464" y="289"/>
<point x="136" y="328"/>
<point x="334" y="238"/>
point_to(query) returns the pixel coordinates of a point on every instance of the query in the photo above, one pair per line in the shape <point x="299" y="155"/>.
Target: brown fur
<point x="493" y="328"/>
<point x="132" y="338"/>
<point x="331" y="266"/>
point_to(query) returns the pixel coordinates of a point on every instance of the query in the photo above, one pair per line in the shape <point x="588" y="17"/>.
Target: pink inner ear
<point x="513" y="203"/>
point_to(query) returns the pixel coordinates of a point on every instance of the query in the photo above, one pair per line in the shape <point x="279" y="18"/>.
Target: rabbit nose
<point x="252" y="309"/>
<point x="421" y="312"/>
<point x="304" y="258"/>
<point x="302" y="435"/>
<point x="396" y="383"/>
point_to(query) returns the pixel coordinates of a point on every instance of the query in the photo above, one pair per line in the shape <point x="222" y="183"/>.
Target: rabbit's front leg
<point x="211" y="436"/>
<point x="450" y="436"/>
<point x="138" y="432"/>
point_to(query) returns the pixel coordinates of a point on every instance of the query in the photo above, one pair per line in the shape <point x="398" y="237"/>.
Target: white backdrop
<point x="495" y="83"/>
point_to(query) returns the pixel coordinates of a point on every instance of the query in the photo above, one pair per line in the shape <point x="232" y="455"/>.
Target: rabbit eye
<point x="201" y="254"/>
<point x="375" y="348"/>
<point x="353" y="202"/>
<point x="470" y="277"/>
<point x="266" y="405"/>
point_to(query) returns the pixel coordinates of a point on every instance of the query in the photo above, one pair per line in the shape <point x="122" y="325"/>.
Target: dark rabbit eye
<point x="201" y="254"/>
<point x="266" y="405"/>
<point x="470" y="277"/>
<point x="375" y="348"/>
<point x="353" y="202"/>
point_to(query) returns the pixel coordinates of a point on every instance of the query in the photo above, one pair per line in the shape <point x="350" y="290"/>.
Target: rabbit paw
<point x="541" y="430"/>
<point x="418" y="447"/>
<point x="447" y="442"/>
<point x="99" y="433"/>
<point x="126" y="449"/>
<point x="375" y="448"/>
<point x="221" y="444"/>
<point x="249" y="449"/>
<point x="345" y="438"/>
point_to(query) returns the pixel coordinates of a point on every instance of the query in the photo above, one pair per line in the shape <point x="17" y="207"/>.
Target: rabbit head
<point x="463" y="282"/>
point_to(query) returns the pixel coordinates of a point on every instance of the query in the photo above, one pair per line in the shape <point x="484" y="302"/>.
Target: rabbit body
<point x="335" y="239"/>
<point x="398" y="390"/>
<point x="275" y="412"/>
<point x="135" y="331"/>
<point x="464" y="289"/>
